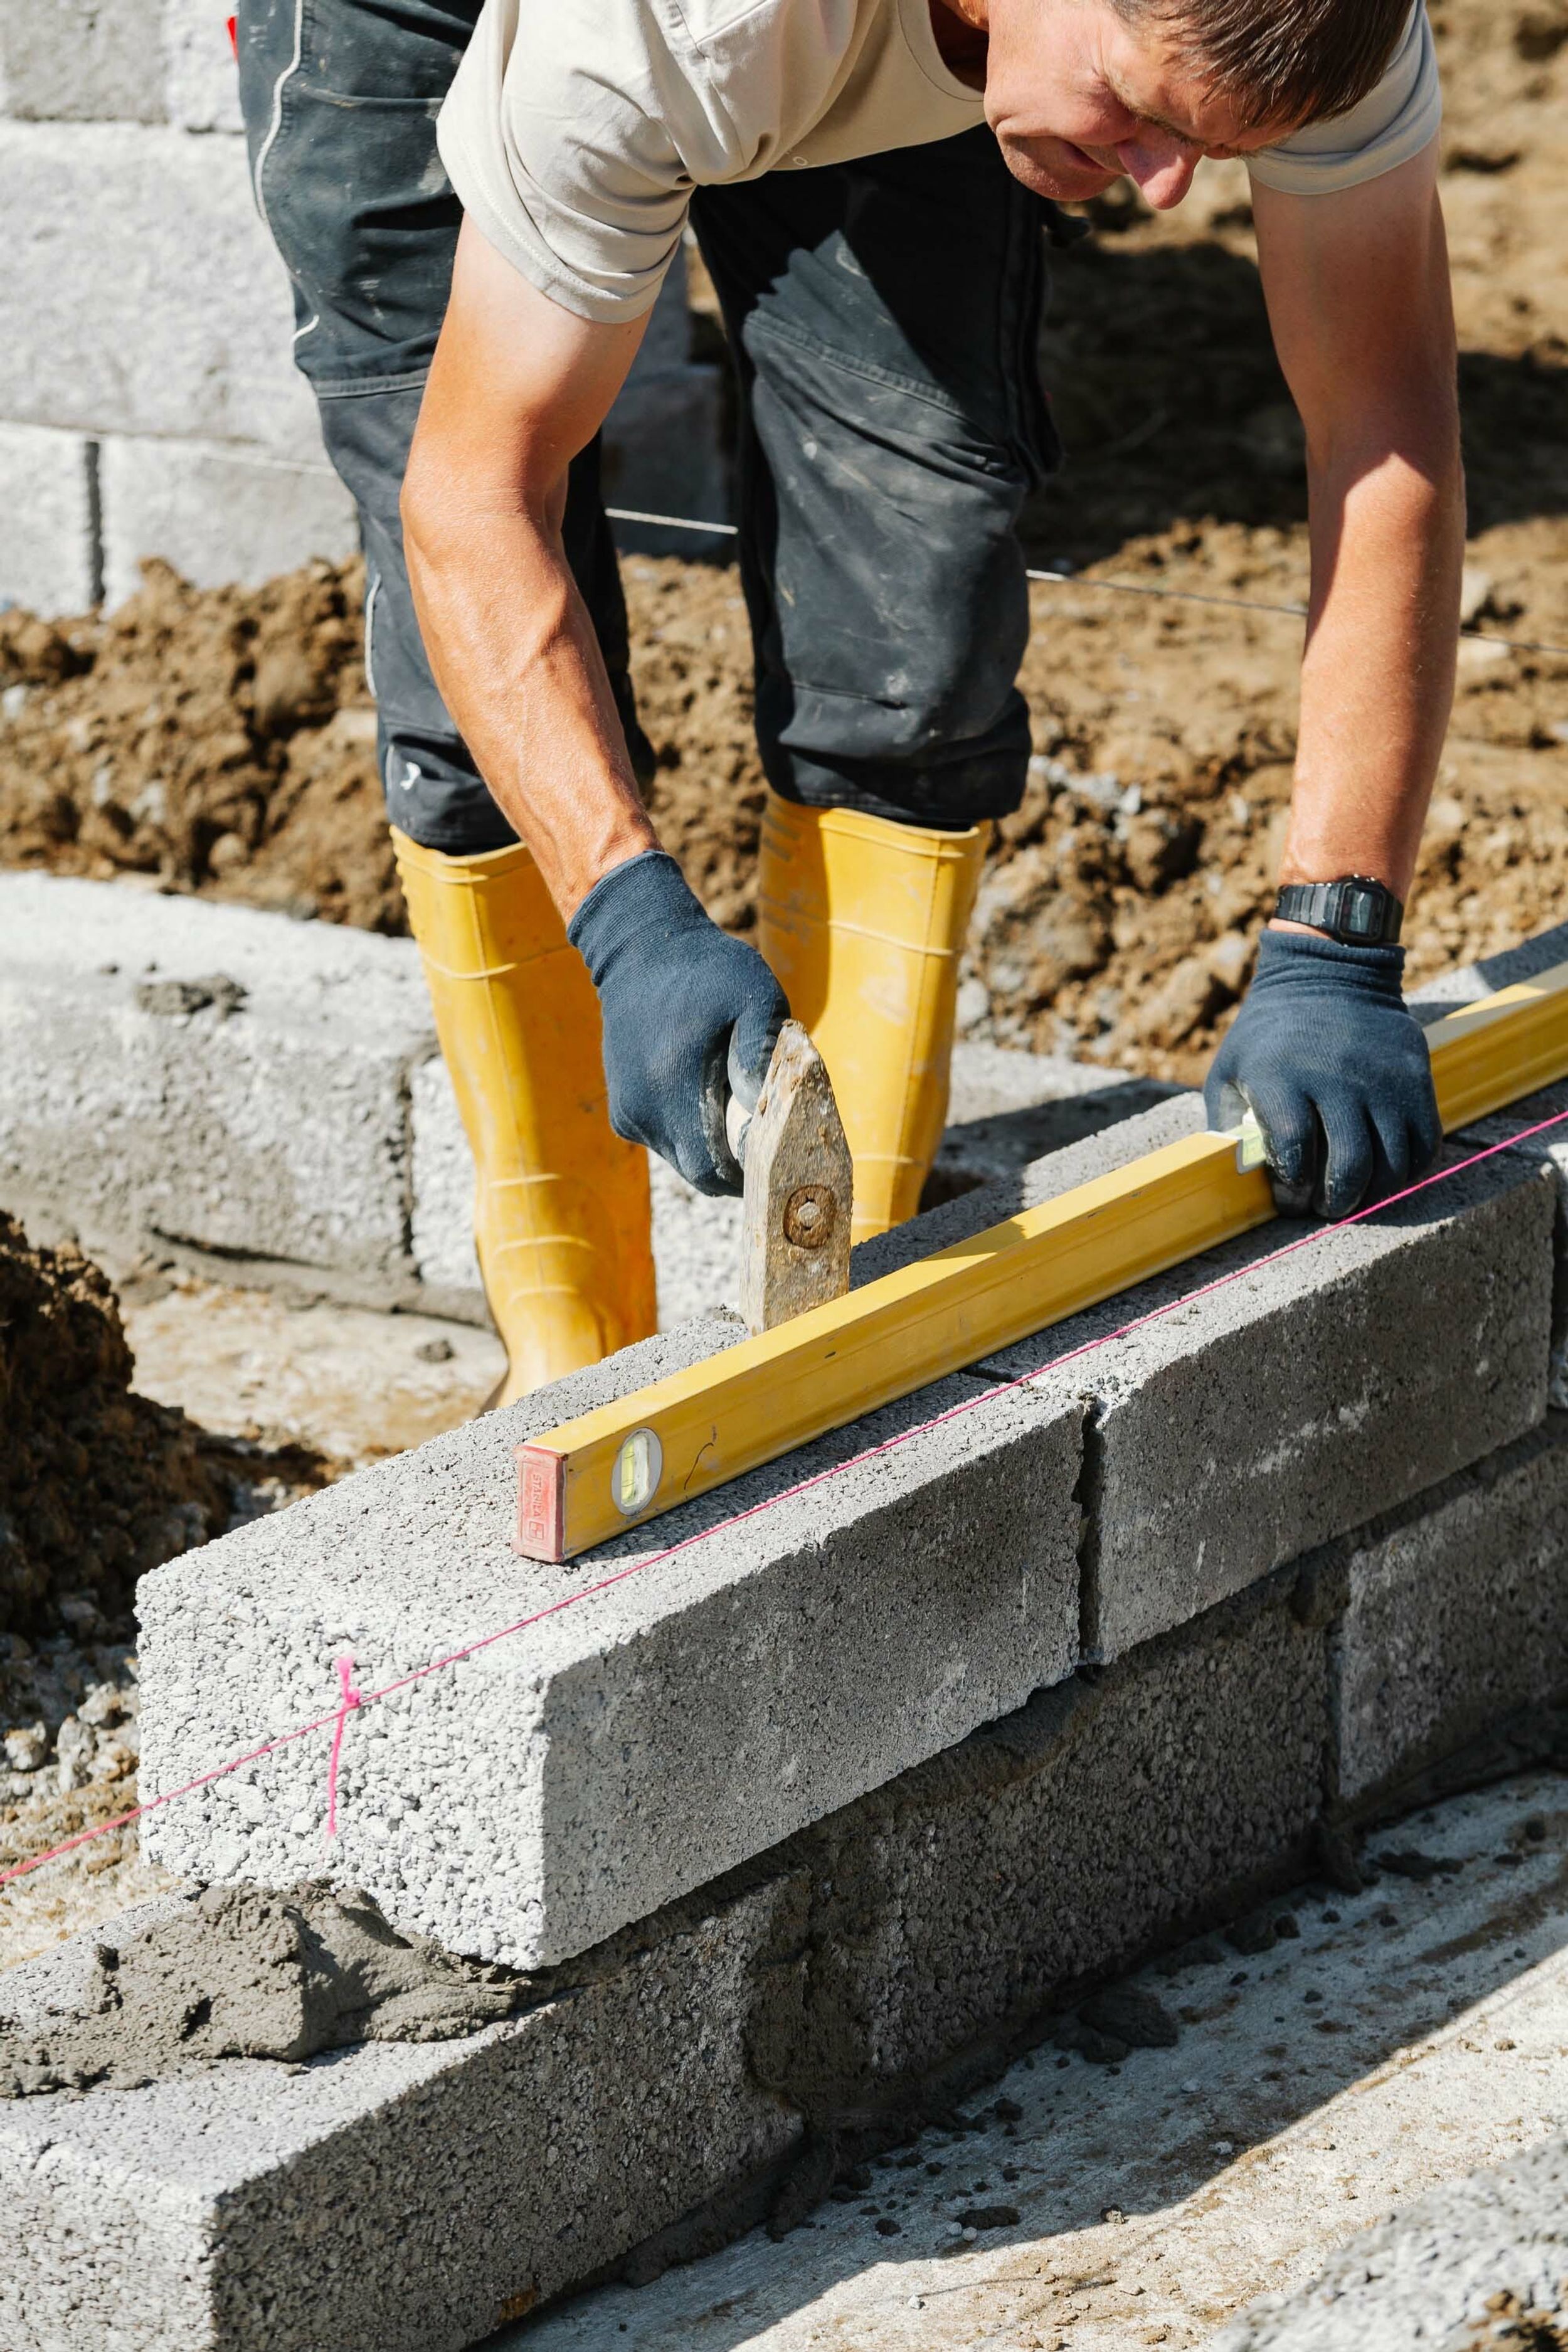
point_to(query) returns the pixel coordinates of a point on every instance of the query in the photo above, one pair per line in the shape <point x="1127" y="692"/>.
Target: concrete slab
<point x="1455" y="1614"/>
<point x="671" y="1724"/>
<point x="218" y="512"/>
<point x="402" y="2198"/>
<point x="1481" y="2262"/>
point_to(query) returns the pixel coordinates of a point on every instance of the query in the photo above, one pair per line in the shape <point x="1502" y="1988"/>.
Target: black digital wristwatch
<point x="1356" y="910"/>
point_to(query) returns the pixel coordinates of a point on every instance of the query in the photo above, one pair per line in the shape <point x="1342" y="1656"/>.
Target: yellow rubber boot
<point x="561" y="1204"/>
<point x="863" y="923"/>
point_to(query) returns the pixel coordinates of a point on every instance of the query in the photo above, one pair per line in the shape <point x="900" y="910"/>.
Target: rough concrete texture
<point x="1247" y="1426"/>
<point x="244" y="1972"/>
<point x="1240" y="1430"/>
<point x="396" y="2197"/>
<point x="1145" y="2200"/>
<point x="534" y="1798"/>
<point x="406" y="2198"/>
<point x="81" y="61"/>
<point x="140" y="294"/>
<point x="201" y="89"/>
<point x="1454" y="1613"/>
<point x="224" y="1080"/>
<point x="1481" y="2262"/>
<point x="217" y="512"/>
<point x="378" y="1206"/>
<point x="48" y="551"/>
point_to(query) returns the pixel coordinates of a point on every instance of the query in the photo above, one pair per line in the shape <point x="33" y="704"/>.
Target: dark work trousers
<point x="884" y="316"/>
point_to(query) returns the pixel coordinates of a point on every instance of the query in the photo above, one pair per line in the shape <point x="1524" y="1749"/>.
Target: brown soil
<point x="225" y="741"/>
<point x="97" y="1484"/>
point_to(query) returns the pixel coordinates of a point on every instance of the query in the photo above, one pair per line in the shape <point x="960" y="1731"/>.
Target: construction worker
<point x="477" y="205"/>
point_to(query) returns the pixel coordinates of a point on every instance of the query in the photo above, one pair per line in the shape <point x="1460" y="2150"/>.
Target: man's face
<point x="1079" y="97"/>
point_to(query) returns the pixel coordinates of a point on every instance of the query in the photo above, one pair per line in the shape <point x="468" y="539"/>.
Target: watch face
<point x="1360" y="912"/>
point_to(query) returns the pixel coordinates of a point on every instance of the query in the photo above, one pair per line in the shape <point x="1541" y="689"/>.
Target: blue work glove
<point x="691" y="1016"/>
<point x="1336" y="1072"/>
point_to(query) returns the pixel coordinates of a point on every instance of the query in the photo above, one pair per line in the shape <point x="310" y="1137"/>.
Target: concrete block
<point x="1548" y="1152"/>
<point x="83" y="60"/>
<point x="720" y="1680"/>
<point x="1466" y="982"/>
<point x="405" y="2197"/>
<point x="201" y="89"/>
<point x="215" y="1078"/>
<point x="1246" y="1427"/>
<point x="217" y="512"/>
<point x="139" y="293"/>
<point x="395" y="2198"/>
<point x="48" y="494"/>
<point x="1455" y="1614"/>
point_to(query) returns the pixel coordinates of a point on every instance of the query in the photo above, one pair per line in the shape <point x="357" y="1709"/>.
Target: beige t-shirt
<point x="577" y="130"/>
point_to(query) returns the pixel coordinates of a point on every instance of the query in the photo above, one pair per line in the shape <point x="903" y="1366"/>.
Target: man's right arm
<point x="519" y="386"/>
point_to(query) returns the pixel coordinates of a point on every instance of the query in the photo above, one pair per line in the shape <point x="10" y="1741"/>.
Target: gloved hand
<point x="690" y="1015"/>
<point x="1335" y="1070"/>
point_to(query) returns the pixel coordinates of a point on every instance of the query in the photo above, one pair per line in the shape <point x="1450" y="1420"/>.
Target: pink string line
<point x="351" y="1698"/>
<point x="337" y="1719"/>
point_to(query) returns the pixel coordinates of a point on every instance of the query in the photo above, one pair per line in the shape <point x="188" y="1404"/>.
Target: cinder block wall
<point x="148" y="401"/>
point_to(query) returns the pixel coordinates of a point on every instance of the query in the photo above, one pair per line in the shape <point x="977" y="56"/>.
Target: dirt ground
<point x="225" y="741"/>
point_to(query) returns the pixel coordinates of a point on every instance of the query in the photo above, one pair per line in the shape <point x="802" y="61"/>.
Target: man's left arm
<point x="1359" y="297"/>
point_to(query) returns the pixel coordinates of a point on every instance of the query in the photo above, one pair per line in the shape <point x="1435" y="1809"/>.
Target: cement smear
<point x="242" y="1972"/>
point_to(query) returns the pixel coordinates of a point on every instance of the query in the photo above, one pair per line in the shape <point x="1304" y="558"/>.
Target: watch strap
<point x="1354" y="909"/>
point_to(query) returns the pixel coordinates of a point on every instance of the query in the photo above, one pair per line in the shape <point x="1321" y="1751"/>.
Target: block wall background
<point x="148" y="401"/>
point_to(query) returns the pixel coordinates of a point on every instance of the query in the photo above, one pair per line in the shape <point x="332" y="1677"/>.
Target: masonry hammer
<point x="794" y="1218"/>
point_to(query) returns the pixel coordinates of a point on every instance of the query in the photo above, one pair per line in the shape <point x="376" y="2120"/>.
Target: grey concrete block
<point x="1475" y="2267"/>
<point x="721" y="1677"/>
<point x="1466" y="982"/>
<point x="1547" y="1150"/>
<point x="83" y="60"/>
<point x="139" y="293"/>
<point x="1455" y="1614"/>
<point x="218" y="512"/>
<point x="400" y="2198"/>
<point x="396" y="2197"/>
<point x="1306" y="1396"/>
<point x="48" y="551"/>
<point x="87" y="1140"/>
<point x="211" y="1077"/>
<point x="201" y="86"/>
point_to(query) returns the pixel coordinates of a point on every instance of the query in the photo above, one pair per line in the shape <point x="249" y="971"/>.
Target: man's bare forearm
<point x="518" y="662"/>
<point x="1377" y="680"/>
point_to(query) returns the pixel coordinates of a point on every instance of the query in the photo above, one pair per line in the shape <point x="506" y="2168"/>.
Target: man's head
<point x="1083" y="92"/>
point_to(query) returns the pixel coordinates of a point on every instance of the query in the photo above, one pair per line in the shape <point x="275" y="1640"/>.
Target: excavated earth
<point x="224" y="742"/>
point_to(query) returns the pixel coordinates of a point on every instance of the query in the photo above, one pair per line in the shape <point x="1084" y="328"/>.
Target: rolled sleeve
<point x="566" y="170"/>
<point x="1397" y="121"/>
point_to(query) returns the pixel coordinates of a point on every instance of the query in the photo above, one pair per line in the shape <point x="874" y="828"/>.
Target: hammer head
<point x="794" y="1226"/>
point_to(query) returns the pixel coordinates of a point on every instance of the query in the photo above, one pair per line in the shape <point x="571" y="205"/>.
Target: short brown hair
<point x="1286" y="61"/>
